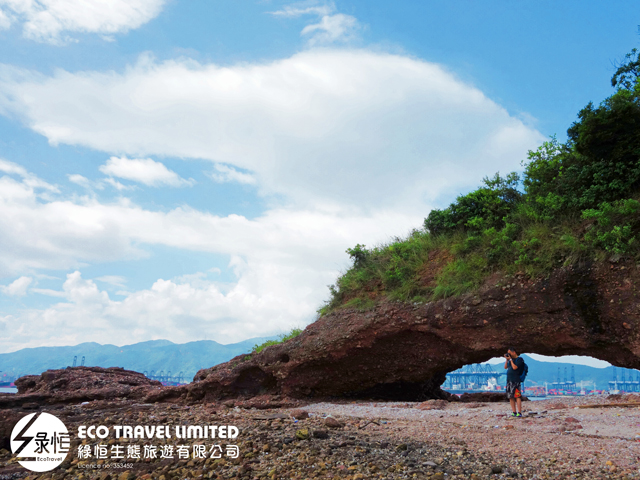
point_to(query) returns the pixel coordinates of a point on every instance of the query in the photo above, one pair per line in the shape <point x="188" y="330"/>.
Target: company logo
<point x="40" y="441"/>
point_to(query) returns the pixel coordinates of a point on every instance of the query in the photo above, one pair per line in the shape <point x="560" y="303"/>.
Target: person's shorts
<point x="513" y="390"/>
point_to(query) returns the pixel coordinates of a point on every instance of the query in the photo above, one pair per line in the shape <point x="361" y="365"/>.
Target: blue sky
<point x="174" y="169"/>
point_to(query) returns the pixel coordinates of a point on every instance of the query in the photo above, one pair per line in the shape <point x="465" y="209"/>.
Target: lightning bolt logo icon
<point x="21" y="436"/>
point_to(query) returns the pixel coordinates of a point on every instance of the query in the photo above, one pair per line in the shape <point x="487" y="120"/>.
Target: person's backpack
<point x="525" y="370"/>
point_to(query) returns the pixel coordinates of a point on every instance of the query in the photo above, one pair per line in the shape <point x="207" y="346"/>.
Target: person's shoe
<point x="514" y="414"/>
<point x="518" y="415"/>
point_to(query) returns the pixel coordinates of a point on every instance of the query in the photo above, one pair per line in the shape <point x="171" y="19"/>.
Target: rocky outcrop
<point x="79" y="384"/>
<point x="403" y="351"/>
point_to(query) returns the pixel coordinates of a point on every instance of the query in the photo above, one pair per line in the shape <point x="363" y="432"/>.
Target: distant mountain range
<point x="152" y="356"/>
<point x="541" y="372"/>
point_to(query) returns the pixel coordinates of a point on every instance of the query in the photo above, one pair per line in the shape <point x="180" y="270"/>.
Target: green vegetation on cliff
<point x="294" y="332"/>
<point x="574" y="201"/>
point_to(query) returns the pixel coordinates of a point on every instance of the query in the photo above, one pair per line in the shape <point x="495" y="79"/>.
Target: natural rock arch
<point x="404" y="351"/>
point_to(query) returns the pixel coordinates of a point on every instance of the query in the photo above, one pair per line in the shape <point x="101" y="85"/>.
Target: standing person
<point x="514" y="365"/>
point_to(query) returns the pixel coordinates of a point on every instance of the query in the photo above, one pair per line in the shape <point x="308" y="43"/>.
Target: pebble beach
<point x="373" y="440"/>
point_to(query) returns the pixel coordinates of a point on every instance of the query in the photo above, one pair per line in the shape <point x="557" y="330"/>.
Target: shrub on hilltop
<point x="574" y="200"/>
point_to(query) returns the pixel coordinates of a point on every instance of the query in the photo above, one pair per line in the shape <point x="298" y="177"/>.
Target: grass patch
<point x="460" y="276"/>
<point x="283" y="338"/>
<point x="425" y="267"/>
<point x="362" y="304"/>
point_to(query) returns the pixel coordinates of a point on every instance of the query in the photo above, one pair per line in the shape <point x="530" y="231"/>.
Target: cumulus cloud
<point x="282" y="262"/>
<point x="50" y="20"/>
<point x="359" y="144"/>
<point x="337" y="127"/>
<point x="17" y="288"/>
<point x="142" y="170"/>
<point x="168" y="309"/>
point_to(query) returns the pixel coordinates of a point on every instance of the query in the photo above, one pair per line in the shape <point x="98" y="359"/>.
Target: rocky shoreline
<point x="364" y="440"/>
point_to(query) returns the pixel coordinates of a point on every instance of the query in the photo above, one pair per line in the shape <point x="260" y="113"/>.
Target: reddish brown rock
<point x="79" y="384"/>
<point x="263" y="402"/>
<point x="73" y="379"/>
<point x="433" y="405"/>
<point x="299" y="414"/>
<point x="403" y="351"/>
<point x="332" y="423"/>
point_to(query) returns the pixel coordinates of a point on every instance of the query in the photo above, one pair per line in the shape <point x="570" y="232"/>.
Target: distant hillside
<point x="154" y="355"/>
<point x="541" y="372"/>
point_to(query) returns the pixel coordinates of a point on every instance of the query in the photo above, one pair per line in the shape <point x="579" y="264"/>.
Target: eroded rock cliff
<point x="403" y="351"/>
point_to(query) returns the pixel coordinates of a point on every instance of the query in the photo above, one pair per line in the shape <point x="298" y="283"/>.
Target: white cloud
<point x="169" y="309"/>
<point x="300" y="9"/>
<point x="63" y="234"/>
<point x="331" y="127"/>
<point x="17" y="288"/>
<point x="13" y="168"/>
<point x="48" y="292"/>
<point x="283" y="261"/>
<point x="359" y="144"/>
<point x="117" y="185"/>
<point x="49" y="20"/>
<point x="224" y="174"/>
<point x="5" y="21"/>
<point x="115" y="280"/>
<point x="79" y="180"/>
<point x="29" y="180"/>
<point x="92" y="185"/>
<point x="142" y="170"/>
<point x="38" y="232"/>
<point x="331" y="28"/>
